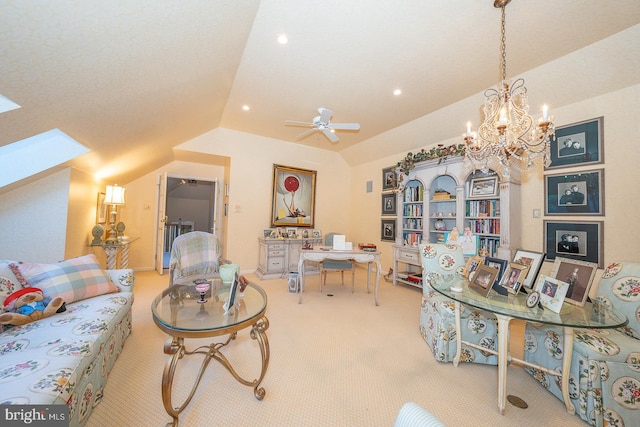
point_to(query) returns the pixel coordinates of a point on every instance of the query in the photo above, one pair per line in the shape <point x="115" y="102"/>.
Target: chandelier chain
<point x="503" y="45"/>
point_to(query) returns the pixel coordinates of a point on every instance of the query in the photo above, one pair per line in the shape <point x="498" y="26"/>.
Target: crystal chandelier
<point x="508" y="136"/>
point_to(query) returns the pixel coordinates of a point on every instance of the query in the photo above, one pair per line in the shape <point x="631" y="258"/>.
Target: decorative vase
<point x="228" y="272"/>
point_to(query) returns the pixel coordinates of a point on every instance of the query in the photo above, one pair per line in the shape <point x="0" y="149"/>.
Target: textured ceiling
<point x="131" y="79"/>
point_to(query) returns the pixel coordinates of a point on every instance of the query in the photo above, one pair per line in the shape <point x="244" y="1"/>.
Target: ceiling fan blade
<point x="307" y="133"/>
<point x="345" y="126"/>
<point x="325" y="115"/>
<point x="297" y="123"/>
<point x="330" y="135"/>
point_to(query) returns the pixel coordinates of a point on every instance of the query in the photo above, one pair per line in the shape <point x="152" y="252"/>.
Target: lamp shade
<point x="114" y="195"/>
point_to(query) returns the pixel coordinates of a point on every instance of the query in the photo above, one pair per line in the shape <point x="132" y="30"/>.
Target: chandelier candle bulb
<point x="545" y="113"/>
<point x="468" y="128"/>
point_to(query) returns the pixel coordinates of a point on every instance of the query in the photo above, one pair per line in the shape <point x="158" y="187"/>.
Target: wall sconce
<point x="114" y="197"/>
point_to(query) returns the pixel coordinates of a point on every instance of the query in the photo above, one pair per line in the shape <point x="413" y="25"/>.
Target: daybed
<point x="65" y="358"/>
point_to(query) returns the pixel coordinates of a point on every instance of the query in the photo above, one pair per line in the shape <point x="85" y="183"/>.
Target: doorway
<point x="191" y="205"/>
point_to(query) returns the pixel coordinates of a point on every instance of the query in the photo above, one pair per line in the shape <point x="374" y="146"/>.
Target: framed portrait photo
<point x="480" y="188"/>
<point x="389" y="204"/>
<point x="513" y="277"/>
<point x="531" y="259"/>
<point x="552" y="292"/>
<point x="389" y="178"/>
<point x="293" y="197"/>
<point x="579" y="277"/>
<point x="471" y="266"/>
<point x="483" y="279"/>
<point x="577" y="144"/>
<point x="575" y="194"/>
<point x="579" y="240"/>
<point x="388" y="230"/>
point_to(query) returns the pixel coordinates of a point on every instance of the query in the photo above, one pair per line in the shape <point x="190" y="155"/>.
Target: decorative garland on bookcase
<point x="440" y="152"/>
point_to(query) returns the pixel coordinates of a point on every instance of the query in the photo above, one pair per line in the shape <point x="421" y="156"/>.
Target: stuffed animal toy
<point x="28" y="305"/>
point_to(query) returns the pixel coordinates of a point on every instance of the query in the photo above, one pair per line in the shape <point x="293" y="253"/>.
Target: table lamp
<point x="114" y="197"/>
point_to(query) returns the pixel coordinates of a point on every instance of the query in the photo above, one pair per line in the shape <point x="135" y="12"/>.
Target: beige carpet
<point x="335" y="361"/>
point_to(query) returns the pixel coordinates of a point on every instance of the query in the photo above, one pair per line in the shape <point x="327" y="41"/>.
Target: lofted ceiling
<point x="131" y="79"/>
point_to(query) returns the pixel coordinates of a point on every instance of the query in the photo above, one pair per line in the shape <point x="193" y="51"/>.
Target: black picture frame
<point x="580" y="193"/>
<point x="388" y="230"/>
<point x="389" y="204"/>
<point x="589" y="137"/>
<point x="497" y="263"/>
<point x="389" y="178"/>
<point x="587" y="245"/>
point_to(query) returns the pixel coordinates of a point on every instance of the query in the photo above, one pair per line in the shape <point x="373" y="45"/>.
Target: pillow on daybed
<point x="72" y="280"/>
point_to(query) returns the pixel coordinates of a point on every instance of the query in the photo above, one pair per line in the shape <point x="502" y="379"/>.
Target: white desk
<point x="357" y="255"/>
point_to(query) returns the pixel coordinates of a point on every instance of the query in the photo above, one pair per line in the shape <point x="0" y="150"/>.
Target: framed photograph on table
<point x="499" y="264"/>
<point x="388" y="230"/>
<point x="579" y="240"/>
<point x="471" y="266"/>
<point x="578" y="275"/>
<point x="552" y="292"/>
<point x="575" y="194"/>
<point x="481" y="188"/>
<point x="513" y="277"/>
<point x="389" y="204"/>
<point x="389" y="178"/>
<point x="293" y="197"/>
<point x="531" y="259"/>
<point x="483" y="279"/>
<point x="577" y="144"/>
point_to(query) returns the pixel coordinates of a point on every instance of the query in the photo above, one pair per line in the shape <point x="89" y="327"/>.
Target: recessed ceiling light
<point x="397" y="92"/>
<point x="283" y="39"/>
<point x="245" y="108"/>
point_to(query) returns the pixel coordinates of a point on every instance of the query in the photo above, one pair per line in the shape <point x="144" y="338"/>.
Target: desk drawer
<point x="409" y="256"/>
<point x="276" y="254"/>
<point x="275" y="248"/>
<point x="275" y="264"/>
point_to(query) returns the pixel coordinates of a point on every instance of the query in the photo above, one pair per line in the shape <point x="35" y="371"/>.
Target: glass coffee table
<point x="180" y="312"/>
<point x="509" y="307"/>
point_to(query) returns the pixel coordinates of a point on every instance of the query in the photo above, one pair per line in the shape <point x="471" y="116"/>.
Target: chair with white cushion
<point x="437" y="313"/>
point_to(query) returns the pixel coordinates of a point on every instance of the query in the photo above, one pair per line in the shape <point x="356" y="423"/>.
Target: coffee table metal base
<point x="175" y="348"/>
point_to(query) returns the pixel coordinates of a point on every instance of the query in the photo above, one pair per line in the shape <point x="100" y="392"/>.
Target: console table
<point x="111" y="249"/>
<point x="178" y="312"/>
<point x="357" y="255"/>
<point x="507" y="308"/>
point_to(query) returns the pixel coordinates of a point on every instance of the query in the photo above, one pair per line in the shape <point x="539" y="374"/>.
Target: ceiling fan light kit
<point x="322" y="123"/>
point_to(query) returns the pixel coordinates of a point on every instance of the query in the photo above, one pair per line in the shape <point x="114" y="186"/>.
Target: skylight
<point x="37" y="153"/>
<point x="7" y="105"/>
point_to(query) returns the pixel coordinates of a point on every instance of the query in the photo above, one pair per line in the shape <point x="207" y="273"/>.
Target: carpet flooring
<point x="335" y="361"/>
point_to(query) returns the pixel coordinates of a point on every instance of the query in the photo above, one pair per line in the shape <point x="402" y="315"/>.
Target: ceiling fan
<point x="322" y="123"/>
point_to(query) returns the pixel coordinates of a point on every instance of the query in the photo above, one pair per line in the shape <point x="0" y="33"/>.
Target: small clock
<point x="532" y="299"/>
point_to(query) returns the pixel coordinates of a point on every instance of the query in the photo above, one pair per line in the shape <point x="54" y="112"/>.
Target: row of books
<point x="412" y="224"/>
<point x="411" y="239"/>
<point x="485" y="226"/>
<point x="413" y="210"/>
<point x="480" y="208"/>
<point x="414" y="194"/>
<point x="488" y="245"/>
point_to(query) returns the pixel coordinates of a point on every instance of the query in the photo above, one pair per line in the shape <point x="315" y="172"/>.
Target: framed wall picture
<point x="577" y="144"/>
<point x="293" y="197"/>
<point x="101" y="209"/>
<point x="575" y="194"/>
<point x="481" y="188"/>
<point x="483" y="279"/>
<point x="389" y="204"/>
<point x="389" y="178"/>
<point x="388" y="230"/>
<point x="513" y="277"/>
<point x="579" y="240"/>
<point x="578" y="275"/>
<point x="531" y="259"/>
<point x="552" y="292"/>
